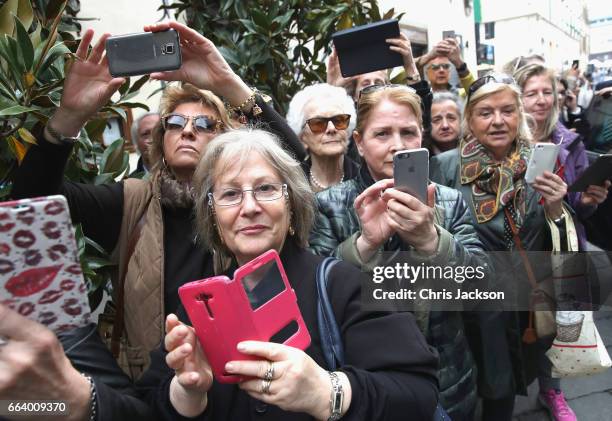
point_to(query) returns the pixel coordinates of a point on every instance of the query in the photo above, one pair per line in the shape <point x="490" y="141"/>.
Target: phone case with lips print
<point x="40" y="272"/>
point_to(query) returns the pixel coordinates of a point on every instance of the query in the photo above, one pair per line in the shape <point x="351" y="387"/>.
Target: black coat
<point x="391" y="369"/>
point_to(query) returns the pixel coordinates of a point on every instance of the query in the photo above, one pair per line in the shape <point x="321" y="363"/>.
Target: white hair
<point x="136" y="124"/>
<point x="322" y="93"/>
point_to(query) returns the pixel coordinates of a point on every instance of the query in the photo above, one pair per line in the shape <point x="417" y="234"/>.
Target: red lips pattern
<point x="39" y="277"/>
<point x="31" y="281"/>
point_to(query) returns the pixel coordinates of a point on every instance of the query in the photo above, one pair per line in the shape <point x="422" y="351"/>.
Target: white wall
<point x="534" y="35"/>
<point x="436" y="16"/>
<point x="601" y="37"/>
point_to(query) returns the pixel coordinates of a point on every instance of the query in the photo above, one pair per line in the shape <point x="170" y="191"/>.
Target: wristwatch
<point x="60" y="138"/>
<point x="462" y="68"/>
<point x="337" y="396"/>
<point x="414" y="78"/>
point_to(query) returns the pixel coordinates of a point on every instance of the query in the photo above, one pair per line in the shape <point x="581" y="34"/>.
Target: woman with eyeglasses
<point x="147" y="224"/>
<point x="509" y="215"/>
<point x="363" y="218"/>
<point x="252" y="196"/>
<point x="323" y="117"/>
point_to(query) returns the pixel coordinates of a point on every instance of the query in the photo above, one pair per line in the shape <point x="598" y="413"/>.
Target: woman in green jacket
<point x="389" y="119"/>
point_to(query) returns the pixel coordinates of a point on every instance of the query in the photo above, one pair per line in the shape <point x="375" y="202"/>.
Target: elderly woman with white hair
<point x="323" y="117"/>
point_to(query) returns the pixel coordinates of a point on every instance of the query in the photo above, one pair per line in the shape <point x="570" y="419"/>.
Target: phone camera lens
<point x="168" y="49"/>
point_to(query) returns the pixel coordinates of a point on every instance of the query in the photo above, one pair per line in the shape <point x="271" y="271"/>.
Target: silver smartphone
<point x="411" y="172"/>
<point x="543" y="158"/>
<point x="143" y="53"/>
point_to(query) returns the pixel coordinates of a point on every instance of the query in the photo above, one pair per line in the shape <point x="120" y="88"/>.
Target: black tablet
<point x="596" y="174"/>
<point x="363" y="49"/>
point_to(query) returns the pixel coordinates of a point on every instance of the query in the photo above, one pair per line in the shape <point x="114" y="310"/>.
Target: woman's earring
<point x="291" y="230"/>
<point x="164" y="162"/>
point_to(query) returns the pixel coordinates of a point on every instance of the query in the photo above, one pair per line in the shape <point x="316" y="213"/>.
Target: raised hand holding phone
<point x="202" y="65"/>
<point x="88" y="86"/>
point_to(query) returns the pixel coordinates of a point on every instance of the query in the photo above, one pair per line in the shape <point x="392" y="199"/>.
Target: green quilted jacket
<point x="335" y="232"/>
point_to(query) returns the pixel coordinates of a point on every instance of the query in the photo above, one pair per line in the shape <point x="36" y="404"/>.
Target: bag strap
<point x="118" y="323"/>
<point x="331" y="340"/>
<point x="530" y="335"/>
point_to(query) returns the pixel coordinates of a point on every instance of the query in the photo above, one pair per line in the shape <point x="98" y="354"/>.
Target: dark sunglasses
<point x="319" y="124"/>
<point x="444" y="66"/>
<point x="200" y="123"/>
<point x="373" y="88"/>
<point x="490" y="78"/>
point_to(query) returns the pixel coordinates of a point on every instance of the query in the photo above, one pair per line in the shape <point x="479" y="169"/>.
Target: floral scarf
<point x="494" y="185"/>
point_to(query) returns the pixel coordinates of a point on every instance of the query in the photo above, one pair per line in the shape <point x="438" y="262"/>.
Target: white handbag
<point x="577" y="349"/>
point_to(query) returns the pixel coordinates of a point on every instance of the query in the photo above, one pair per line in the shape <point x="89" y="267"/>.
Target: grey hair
<point x="443" y="96"/>
<point x="136" y="124"/>
<point x="237" y="147"/>
<point x="323" y="93"/>
<point x="524" y="133"/>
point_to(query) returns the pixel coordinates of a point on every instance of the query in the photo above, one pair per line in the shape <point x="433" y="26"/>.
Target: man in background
<point x="142" y="130"/>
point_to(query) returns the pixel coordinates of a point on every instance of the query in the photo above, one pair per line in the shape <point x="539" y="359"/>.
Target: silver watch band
<point x="337" y="397"/>
<point x="64" y="140"/>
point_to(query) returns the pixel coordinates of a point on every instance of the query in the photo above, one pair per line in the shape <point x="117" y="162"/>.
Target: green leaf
<point x="25" y="13"/>
<point x="389" y="14"/>
<point x="25" y="44"/>
<point x="80" y="238"/>
<point x="26" y="136"/>
<point x="95" y="246"/>
<point x="134" y="105"/>
<point x="260" y="19"/>
<point x="112" y="158"/>
<point x="138" y="84"/>
<point x="54" y="53"/>
<point x="16" y="110"/>
<point x="124" y="88"/>
<point x="7" y="11"/>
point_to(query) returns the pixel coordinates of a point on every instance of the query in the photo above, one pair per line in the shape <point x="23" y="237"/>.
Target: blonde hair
<point x="173" y="97"/>
<point x="401" y="95"/>
<point x="492" y="88"/>
<point x="523" y="74"/>
<point x="237" y="147"/>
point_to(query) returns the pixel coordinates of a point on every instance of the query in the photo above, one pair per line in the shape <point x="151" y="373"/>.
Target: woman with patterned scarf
<point x="489" y="168"/>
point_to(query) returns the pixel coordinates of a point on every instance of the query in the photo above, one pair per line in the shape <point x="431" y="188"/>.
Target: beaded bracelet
<point x="94" y="397"/>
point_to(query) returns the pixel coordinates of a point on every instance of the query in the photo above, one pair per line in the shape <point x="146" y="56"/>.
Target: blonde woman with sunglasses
<point x="363" y="218"/>
<point x="323" y="117"/>
<point x="146" y="224"/>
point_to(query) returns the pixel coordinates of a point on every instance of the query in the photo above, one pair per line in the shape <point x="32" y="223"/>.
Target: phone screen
<point x="269" y="286"/>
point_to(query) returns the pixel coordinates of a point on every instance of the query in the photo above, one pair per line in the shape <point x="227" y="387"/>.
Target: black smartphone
<point x="575" y="64"/>
<point x="596" y="174"/>
<point x="411" y="172"/>
<point x="448" y="34"/>
<point x="143" y="53"/>
<point x="363" y="49"/>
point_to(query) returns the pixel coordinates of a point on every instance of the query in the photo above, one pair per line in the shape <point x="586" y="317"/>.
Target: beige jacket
<point x="144" y="281"/>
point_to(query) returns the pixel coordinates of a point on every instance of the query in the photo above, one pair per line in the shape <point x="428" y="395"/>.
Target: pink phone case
<point x="222" y="316"/>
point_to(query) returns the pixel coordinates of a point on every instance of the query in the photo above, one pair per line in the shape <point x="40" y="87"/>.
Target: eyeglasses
<point x="265" y="192"/>
<point x="373" y="88"/>
<point x="490" y="78"/>
<point x="200" y="123"/>
<point x="319" y="124"/>
<point x="436" y="66"/>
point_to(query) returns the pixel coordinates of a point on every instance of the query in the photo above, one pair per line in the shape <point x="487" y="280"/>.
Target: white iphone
<point x="543" y="158"/>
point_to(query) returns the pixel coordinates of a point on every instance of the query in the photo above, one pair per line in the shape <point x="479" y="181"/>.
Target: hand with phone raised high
<point x="203" y="65"/>
<point x="88" y="86"/>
